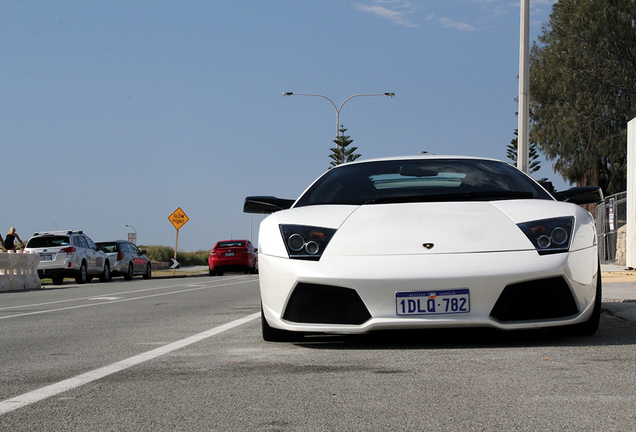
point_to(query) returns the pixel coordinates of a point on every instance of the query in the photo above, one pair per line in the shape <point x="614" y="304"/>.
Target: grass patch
<point x="186" y="259"/>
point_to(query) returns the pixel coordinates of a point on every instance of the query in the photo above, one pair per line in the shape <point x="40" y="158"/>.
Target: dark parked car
<point x="233" y="255"/>
<point x="126" y="259"/>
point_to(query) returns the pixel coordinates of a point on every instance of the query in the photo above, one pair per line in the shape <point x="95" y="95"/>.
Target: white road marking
<point x="117" y="293"/>
<point x="111" y="301"/>
<point x="29" y="398"/>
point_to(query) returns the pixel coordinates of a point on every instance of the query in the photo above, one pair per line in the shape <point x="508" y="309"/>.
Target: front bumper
<point x="376" y="279"/>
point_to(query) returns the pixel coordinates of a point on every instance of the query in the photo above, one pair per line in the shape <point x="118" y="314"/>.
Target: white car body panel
<point x="378" y="250"/>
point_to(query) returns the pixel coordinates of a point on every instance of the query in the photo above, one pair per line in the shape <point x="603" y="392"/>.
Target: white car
<point x="66" y="254"/>
<point x="425" y="242"/>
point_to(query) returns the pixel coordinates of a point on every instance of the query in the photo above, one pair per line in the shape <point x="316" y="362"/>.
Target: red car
<point x="233" y="255"/>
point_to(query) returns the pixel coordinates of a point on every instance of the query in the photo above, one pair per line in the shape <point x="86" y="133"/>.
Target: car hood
<point x="419" y="228"/>
<point x="424" y="228"/>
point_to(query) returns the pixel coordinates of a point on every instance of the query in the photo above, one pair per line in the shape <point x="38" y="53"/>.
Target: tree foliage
<point x="583" y="90"/>
<point x="534" y="164"/>
<point x="340" y="153"/>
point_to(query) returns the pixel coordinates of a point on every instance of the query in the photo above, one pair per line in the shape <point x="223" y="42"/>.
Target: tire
<point x="58" y="280"/>
<point x="82" y="277"/>
<point x="589" y="327"/>
<point x="212" y="272"/>
<point x="106" y="277"/>
<point x="271" y="334"/>
<point x="148" y="273"/>
<point x="130" y="274"/>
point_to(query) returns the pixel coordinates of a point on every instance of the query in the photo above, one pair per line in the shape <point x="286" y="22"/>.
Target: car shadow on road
<point x="612" y="331"/>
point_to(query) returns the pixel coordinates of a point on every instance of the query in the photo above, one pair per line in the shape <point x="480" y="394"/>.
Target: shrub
<point x="165" y="253"/>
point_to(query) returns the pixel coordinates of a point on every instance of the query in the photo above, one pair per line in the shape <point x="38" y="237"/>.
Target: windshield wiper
<point x="455" y="196"/>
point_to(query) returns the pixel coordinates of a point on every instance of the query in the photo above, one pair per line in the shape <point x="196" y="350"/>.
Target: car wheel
<point x="58" y="281"/>
<point x="271" y="334"/>
<point x="82" y="277"/>
<point x="148" y="273"/>
<point x="212" y="272"/>
<point x="130" y="273"/>
<point x="590" y="326"/>
<point x="106" y="276"/>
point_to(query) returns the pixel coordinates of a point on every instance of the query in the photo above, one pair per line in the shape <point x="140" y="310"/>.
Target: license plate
<point x="47" y="257"/>
<point x="432" y="302"/>
<point x="229" y="254"/>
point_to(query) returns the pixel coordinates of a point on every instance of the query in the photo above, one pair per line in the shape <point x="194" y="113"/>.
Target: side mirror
<point x="581" y="195"/>
<point x="143" y="252"/>
<point x="266" y="204"/>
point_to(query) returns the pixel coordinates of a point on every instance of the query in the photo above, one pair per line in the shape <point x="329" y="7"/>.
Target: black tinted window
<point x="107" y="247"/>
<point x="421" y="180"/>
<point x="233" y="243"/>
<point x="80" y="241"/>
<point x="52" y="241"/>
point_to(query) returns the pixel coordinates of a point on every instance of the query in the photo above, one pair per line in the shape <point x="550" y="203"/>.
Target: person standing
<point x="9" y="240"/>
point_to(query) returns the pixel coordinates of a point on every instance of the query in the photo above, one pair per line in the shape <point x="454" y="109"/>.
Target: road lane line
<point x="118" y="301"/>
<point x="118" y="293"/>
<point x="29" y="398"/>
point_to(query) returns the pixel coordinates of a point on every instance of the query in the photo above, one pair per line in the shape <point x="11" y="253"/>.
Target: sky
<point x="118" y="112"/>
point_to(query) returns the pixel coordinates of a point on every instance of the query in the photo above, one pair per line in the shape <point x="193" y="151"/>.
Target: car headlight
<point x="549" y="236"/>
<point x="306" y="242"/>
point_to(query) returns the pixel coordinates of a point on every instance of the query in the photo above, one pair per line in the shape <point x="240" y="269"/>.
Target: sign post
<point x="132" y="237"/>
<point x="178" y="218"/>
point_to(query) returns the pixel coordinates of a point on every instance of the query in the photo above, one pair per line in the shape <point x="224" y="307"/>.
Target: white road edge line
<point x="198" y="288"/>
<point x="29" y="398"/>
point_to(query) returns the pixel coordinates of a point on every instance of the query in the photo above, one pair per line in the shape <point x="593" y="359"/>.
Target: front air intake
<point x="325" y="304"/>
<point x="535" y="300"/>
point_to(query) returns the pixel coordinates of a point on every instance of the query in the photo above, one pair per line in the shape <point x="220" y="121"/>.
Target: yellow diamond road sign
<point x="178" y="218"/>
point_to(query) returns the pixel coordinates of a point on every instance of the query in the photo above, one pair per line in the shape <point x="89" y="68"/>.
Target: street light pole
<point x="285" y="94"/>
<point x="523" y="139"/>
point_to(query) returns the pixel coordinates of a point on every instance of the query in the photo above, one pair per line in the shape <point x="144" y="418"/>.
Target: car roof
<point x="61" y="232"/>
<point x="428" y="156"/>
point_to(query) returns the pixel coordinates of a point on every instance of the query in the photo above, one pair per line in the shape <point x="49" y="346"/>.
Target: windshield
<point x="108" y="247"/>
<point x="48" y="241"/>
<point x="432" y="180"/>
<point x="234" y="243"/>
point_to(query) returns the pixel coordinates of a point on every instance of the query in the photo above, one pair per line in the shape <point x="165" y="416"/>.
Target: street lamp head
<point x="389" y="94"/>
<point x="287" y="94"/>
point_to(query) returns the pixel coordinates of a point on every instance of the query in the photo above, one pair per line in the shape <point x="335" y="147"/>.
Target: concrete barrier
<point x="5" y="278"/>
<point x="19" y="271"/>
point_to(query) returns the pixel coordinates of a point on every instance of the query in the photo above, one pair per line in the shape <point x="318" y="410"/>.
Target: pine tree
<point x="533" y="164"/>
<point x="341" y="154"/>
<point x="583" y="90"/>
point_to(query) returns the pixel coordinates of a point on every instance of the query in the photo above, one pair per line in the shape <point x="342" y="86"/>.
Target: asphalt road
<point x="186" y="354"/>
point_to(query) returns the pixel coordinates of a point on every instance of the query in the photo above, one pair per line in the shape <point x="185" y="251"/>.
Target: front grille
<point x="325" y="304"/>
<point x="534" y="300"/>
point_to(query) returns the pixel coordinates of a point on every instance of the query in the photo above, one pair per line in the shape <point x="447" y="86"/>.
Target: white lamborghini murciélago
<point x="424" y="242"/>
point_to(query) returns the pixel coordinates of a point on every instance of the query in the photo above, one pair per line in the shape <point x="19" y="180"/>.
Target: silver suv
<point x="69" y="254"/>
